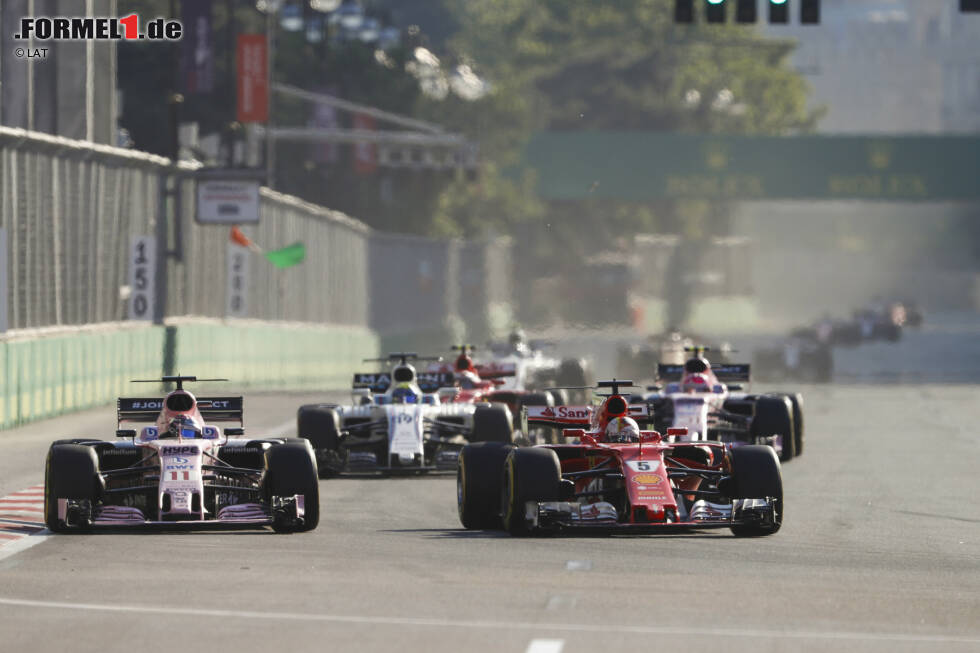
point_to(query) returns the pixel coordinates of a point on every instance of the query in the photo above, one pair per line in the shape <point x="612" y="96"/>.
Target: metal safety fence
<point x="70" y="211"/>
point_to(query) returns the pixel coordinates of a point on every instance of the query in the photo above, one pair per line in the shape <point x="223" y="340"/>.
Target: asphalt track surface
<point x="880" y="551"/>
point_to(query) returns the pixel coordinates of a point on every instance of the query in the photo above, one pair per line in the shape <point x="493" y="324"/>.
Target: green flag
<point x="287" y="256"/>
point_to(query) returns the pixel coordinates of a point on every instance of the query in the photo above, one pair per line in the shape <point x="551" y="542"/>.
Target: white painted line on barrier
<point x="545" y="646"/>
<point x="500" y="626"/>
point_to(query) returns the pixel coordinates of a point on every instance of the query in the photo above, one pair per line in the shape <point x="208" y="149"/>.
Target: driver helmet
<point x="622" y="429"/>
<point x="696" y="383"/>
<point x="464" y="363"/>
<point x="183" y="427"/>
<point x="404" y="394"/>
<point x="467" y="380"/>
<point x="518" y="341"/>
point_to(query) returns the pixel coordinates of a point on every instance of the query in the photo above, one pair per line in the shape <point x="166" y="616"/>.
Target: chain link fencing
<point x="71" y="210"/>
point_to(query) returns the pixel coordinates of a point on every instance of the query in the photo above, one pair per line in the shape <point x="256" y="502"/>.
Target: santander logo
<point x="572" y="412"/>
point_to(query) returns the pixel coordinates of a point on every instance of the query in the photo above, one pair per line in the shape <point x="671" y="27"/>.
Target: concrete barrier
<point x="49" y="372"/>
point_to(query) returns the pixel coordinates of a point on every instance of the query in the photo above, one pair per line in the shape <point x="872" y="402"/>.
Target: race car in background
<point x="481" y="382"/>
<point x="536" y="370"/>
<point x="800" y="357"/>
<point x="639" y="360"/>
<point x="181" y="470"/>
<point x="695" y="396"/>
<point x="612" y="477"/>
<point x="398" y="423"/>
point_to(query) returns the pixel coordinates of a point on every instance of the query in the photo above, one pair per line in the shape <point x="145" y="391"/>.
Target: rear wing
<point x="724" y="373"/>
<point x="376" y="383"/>
<point x="432" y="381"/>
<point x="571" y="416"/>
<point x="212" y="409"/>
<point x="496" y="370"/>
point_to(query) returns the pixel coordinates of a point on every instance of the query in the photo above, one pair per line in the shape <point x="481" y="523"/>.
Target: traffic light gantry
<point x="747" y="11"/>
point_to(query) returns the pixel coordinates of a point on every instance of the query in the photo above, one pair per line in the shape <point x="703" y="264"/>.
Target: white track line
<point x="601" y="629"/>
<point x="545" y="646"/>
<point x="24" y="543"/>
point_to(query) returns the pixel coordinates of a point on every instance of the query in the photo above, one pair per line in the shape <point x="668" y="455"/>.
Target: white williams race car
<point x="398" y="423"/>
<point x="181" y="471"/>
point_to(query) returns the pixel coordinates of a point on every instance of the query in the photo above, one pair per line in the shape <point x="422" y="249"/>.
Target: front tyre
<point x="531" y="474"/>
<point x="479" y="472"/>
<point x="70" y="472"/>
<point x="290" y="469"/>
<point x="321" y="426"/>
<point x="756" y="475"/>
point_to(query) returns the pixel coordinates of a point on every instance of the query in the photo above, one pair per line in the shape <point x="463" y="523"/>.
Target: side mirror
<point x="126" y="433"/>
<point x="573" y="433"/>
<point x="650" y="436"/>
<point x="673" y="432"/>
<point x="734" y="386"/>
<point x="653" y="388"/>
<point x="235" y="430"/>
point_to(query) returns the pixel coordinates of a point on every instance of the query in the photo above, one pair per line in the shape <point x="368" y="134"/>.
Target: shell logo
<point x="647" y="479"/>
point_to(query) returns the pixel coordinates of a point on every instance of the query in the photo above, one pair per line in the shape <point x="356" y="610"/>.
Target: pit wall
<point x="48" y="373"/>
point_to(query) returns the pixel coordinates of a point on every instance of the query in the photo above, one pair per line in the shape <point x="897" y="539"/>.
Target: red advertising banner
<point x="365" y="154"/>
<point x="253" y="78"/>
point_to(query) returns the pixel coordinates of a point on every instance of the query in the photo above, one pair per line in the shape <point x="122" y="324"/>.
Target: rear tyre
<point x="756" y="475"/>
<point x="291" y="470"/>
<point x="574" y="372"/>
<point x="774" y="416"/>
<point x="479" y="473"/>
<point x="70" y="472"/>
<point x="321" y="427"/>
<point x="796" y="399"/>
<point x="559" y="397"/>
<point x="532" y="474"/>
<point x="492" y="424"/>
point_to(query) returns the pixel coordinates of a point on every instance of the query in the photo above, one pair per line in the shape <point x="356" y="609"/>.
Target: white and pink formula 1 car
<point x="181" y="471"/>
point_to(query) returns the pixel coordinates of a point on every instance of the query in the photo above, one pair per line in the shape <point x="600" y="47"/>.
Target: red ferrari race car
<point x="481" y="382"/>
<point x="613" y="477"/>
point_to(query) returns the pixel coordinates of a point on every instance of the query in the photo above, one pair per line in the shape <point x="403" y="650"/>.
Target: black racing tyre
<point x="479" y="473"/>
<point x="822" y="364"/>
<point x="492" y="423"/>
<point x="70" y="472"/>
<point x="796" y="399"/>
<point x="290" y="469"/>
<point x="756" y="475"/>
<point x="774" y="416"/>
<point x="75" y="441"/>
<point x="530" y="474"/>
<point x="321" y="426"/>
<point x="574" y="372"/>
<point x="559" y="396"/>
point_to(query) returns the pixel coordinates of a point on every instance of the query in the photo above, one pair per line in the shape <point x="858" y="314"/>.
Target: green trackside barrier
<point x="274" y="356"/>
<point x="433" y="341"/>
<point x="54" y="374"/>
